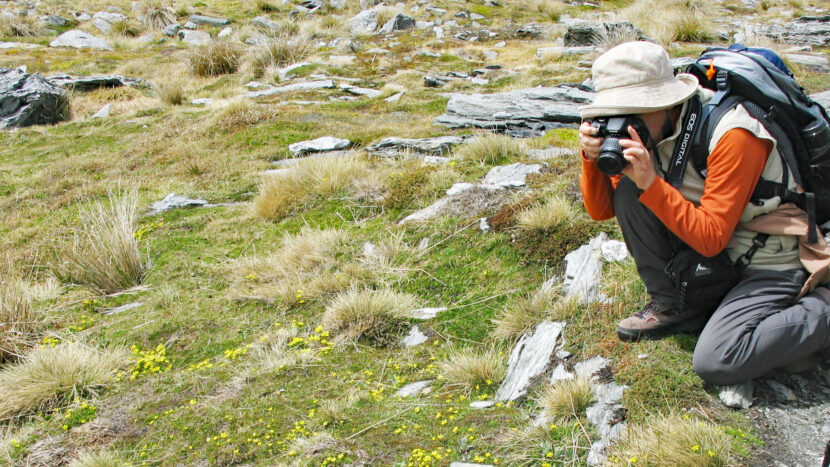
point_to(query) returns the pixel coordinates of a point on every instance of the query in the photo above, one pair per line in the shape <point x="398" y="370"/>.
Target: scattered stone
<point x="805" y="30"/>
<point x="415" y="337"/>
<point x="174" y="201"/>
<point x="206" y="101"/>
<point x="394" y="97"/>
<point x="816" y="62"/>
<point x="535" y="109"/>
<point x="208" y="20"/>
<point x="304" y="86"/>
<point x="194" y="37"/>
<point x="82" y="17"/>
<point x="475" y="16"/>
<point x="424" y="24"/>
<point x="483" y="226"/>
<point x="459" y="188"/>
<point x="607" y="415"/>
<point x="529" y="31"/>
<point x="563" y="354"/>
<point x="642" y="356"/>
<point x="583" y="271"/>
<point x="337" y="4"/>
<point x="324" y="144"/>
<point x="364" y="23"/>
<point x="266" y="23"/>
<point x="426" y="313"/>
<point x="436" y="160"/>
<point x="469" y="204"/>
<point x="439" y="32"/>
<point x="358" y="91"/>
<point x="110" y="17"/>
<point x="510" y="176"/>
<point x="614" y="250"/>
<point x="171" y="29"/>
<point x="225" y="32"/>
<point x="823" y="98"/>
<point x="398" y="22"/>
<point x="190" y="25"/>
<point x="737" y="396"/>
<point x="490" y="54"/>
<point x="560" y="374"/>
<point x="781" y="391"/>
<point x="121" y="309"/>
<point x="17" y="45"/>
<point x="500" y="44"/>
<point x="564" y="51"/>
<point x="529" y="359"/>
<point x="585" y="33"/>
<point x="80" y="40"/>
<point x="414" y="389"/>
<point x="482" y="404"/>
<point x="30" y="100"/>
<point x="93" y="82"/>
<point x="392" y="147"/>
<point x="104" y="112"/>
<point x="102" y="25"/>
<point x="53" y="21"/>
<point x="591" y="367"/>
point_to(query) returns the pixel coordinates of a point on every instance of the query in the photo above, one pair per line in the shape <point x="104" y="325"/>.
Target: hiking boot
<point x="656" y="321"/>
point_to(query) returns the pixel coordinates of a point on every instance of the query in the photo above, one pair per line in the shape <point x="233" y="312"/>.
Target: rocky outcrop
<point x="30" y="100"/>
<point x="391" y="147"/>
<point x="535" y="109"/>
<point x="80" y="40"/>
<point x="91" y="83"/>
<point x="324" y="144"/>
<point x="365" y="22"/>
<point x="529" y="359"/>
<point x="398" y="22"/>
<point x="806" y="30"/>
<point x="584" y="33"/>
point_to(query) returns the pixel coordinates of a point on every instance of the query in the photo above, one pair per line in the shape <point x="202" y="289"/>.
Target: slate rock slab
<point x="93" y="82"/>
<point x="806" y="30"/>
<point x="415" y="337"/>
<point x="266" y="23"/>
<point x="414" y="389"/>
<point x="80" y="40"/>
<point x="391" y="147"/>
<point x="583" y="271"/>
<point x="324" y="144"/>
<point x="535" y="108"/>
<point x="510" y="176"/>
<point x="305" y="86"/>
<point x="173" y="201"/>
<point x="426" y="313"/>
<point x="17" y="45"/>
<point x="194" y="37"/>
<point x="30" y="100"/>
<point x="529" y="359"/>
<point x="585" y="33"/>
<point x="737" y="396"/>
<point x="365" y="22"/>
<point x="822" y="98"/>
<point x="398" y="22"/>
<point x="208" y="20"/>
<point x="607" y="415"/>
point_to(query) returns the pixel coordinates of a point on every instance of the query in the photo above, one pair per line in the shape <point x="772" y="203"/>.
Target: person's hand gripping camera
<point x="616" y="146"/>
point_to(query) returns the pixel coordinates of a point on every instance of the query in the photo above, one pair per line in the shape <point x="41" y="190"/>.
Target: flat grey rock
<point x="82" y="17"/>
<point x="391" y="147"/>
<point x="536" y="109"/>
<point x="426" y="313"/>
<point x="823" y="98"/>
<point x="586" y="33"/>
<point x="205" y="101"/>
<point x="30" y="100"/>
<point x="364" y="23"/>
<point x="560" y="374"/>
<point x="394" y="97"/>
<point x="101" y="25"/>
<point x="93" y="82"/>
<point x="225" y="32"/>
<point x="737" y="396"/>
<point x="121" y="309"/>
<point x="80" y="40"/>
<point x="171" y="29"/>
<point x="510" y="176"/>
<point x="174" y="201"/>
<point x="589" y="368"/>
<point x="805" y="30"/>
<point x="53" y="21"/>
<point x="614" y="250"/>
<point x="110" y="17"/>
<point x="285" y="73"/>
<point x="194" y="37"/>
<point x="430" y="212"/>
<point x="458" y="188"/>
<point x="607" y="415"/>
<point x="583" y="271"/>
<point x="190" y="25"/>
<point x="208" y="20"/>
<point x="104" y="112"/>
<point x="337" y="4"/>
<point x="414" y="389"/>
<point x="266" y="23"/>
<point x="817" y="62"/>
<point x="529" y="359"/>
<point x="399" y="22"/>
<point x="358" y="91"/>
<point x="565" y="51"/>
<point x="324" y="144"/>
<point x="436" y="160"/>
<point x="305" y="86"/>
<point x="17" y="45"/>
<point x="781" y="391"/>
<point x="415" y="337"/>
<point x="482" y="404"/>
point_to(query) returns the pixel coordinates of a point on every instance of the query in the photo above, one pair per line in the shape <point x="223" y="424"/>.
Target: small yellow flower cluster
<point x="300" y="296"/>
<point x="86" y="322"/>
<point x="482" y="458"/>
<point x="205" y="364"/>
<point x="84" y="413"/>
<point x="149" y="361"/>
<point x="49" y="341"/>
<point x="377" y="393"/>
<point x="140" y="233"/>
<point x="233" y="354"/>
<point x="421" y="458"/>
<point x="332" y="460"/>
<point x="251" y="277"/>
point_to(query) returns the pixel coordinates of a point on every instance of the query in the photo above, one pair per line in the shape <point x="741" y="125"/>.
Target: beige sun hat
<point x="636" y="77"/>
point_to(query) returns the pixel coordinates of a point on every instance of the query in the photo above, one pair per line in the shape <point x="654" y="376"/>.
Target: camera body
<point x="613" y="129"/>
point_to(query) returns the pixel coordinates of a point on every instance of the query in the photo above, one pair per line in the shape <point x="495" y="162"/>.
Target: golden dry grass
<point x="19" y="322"/>
<point x="566" y="400"/>
<point x="105" y="255"/>
<point x="471" y="367"/>
<point x="676" y="20"/>
<point x="551" y="213"/>
<point x="217" y="57"/>
<point x="49" y="376"/>
<point x="674" y="440"/>
<point x="157" y="14"/>
<point x="171" y="92"/>
<point x="285" y="49"/>
<point x="286" y="192"/>
<point x="12" y="25"/>
<point x="523" y="314"/>
<point x="97" y="459"/>
<point x="376" y="316"/>
<point x="491" y="149"/>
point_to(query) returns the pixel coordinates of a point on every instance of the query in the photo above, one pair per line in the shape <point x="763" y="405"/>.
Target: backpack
<point x="759" y="80"/>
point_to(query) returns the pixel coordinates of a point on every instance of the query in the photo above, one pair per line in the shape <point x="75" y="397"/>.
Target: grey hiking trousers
<point x="758" y="326"/>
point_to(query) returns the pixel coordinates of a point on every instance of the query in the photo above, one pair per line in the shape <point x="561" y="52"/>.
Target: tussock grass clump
<point x="19" y="322"/>
<point x="491" y="149"/>
<point x="157" y="14"/>
<point x="268" y="7"/>
<point x="219" y="57"/>
<point x="97" y="459"/>
<point x="171" y="92"/>
<point x="522" y="315"/>
<point x="12" y="25"/>
<point x="675" y="20"/>
<point x="285" y="49"/>
<point x="675" y="440"/>
<point x="105" y="255"/>
<point x="125" y="29"/>
<point x="551" y="10"/>
<point x="50" y="376"/>
<point x="376" y="316"/>
<point x="471" y="367"/>
<point x="566" y="400"/>
<point x="239" y="113"/>
<point x="552" y="213"/>
<point x="283" y="193"/>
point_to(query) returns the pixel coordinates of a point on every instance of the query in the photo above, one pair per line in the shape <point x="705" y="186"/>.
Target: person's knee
<point x="712" y="366"/>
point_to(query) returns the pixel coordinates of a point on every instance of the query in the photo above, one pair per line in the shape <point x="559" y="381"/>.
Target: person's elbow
<point x="599" y="214"/>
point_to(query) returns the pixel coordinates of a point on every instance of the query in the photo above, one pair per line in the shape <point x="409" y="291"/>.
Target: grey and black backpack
<point x="758" y="79"/>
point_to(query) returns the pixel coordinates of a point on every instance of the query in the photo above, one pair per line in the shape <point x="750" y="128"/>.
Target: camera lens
<point x="611" y="160"/>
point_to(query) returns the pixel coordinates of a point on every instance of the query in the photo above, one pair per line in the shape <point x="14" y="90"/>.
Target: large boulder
<point x="30" y="100"/>
<point x="398" y="23"/>
<point x="80" y="40"/>
<point x="365" y="22"/>
<point x="806" y="30"/>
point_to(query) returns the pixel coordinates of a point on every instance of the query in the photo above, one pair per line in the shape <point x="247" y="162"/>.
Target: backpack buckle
<point x="722" y="80"/>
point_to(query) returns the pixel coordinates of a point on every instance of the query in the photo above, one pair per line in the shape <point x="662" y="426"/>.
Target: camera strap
<point x="683" y="146"/>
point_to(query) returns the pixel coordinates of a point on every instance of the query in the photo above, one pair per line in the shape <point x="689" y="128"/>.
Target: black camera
<point x="613" y="129"/>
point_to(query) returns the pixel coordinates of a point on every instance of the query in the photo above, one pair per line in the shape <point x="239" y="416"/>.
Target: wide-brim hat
<point x="636" y="77"/>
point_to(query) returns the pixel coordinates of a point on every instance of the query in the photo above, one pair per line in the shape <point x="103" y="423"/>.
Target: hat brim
<point x="642" y="98"/>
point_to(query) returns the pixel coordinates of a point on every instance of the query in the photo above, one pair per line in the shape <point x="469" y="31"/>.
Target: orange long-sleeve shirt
<point x="734" y="167"/>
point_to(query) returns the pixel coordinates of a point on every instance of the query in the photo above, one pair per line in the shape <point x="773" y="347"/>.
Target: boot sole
<point x="692" y="325"/>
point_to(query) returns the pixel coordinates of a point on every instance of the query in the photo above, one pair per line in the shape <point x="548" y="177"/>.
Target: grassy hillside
<point x="267" y="332"/>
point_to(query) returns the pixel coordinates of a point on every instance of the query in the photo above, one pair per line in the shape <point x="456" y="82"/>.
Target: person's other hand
<point x="640" y="167"/>
<point x="590" y="143"/>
